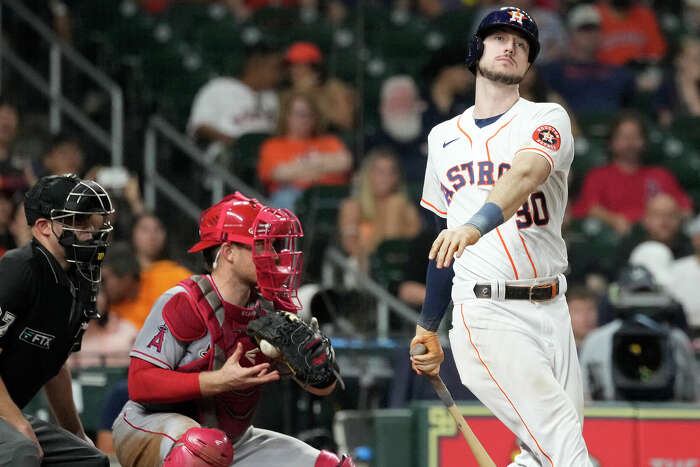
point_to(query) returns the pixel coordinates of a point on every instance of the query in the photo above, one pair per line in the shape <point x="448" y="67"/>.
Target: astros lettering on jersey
<point x="464" y="163"/>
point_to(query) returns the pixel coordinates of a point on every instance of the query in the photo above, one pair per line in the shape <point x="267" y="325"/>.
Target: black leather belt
<point x="536" y="293"/>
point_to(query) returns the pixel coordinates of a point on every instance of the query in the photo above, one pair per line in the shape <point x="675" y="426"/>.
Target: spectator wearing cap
<point x="684" y="276"/>
<point x="227" y="108"/>
<point x="401" y="126"/>
<point x="337" y="101"/>
<point x="586" y="84"/>
<point x="302" y="155"/>
<point x="630" y="33"/>
<point x="450" y="90"/>
<point x="617" y="193"/>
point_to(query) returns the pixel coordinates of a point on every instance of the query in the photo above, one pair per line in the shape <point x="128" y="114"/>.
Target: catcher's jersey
<point x="464" y="163"/>
<point x="157" y="344"/>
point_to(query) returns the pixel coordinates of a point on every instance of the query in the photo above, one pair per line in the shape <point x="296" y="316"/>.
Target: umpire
<point x="47" y="297"/>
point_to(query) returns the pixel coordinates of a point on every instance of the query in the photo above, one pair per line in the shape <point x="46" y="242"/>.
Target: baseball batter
<point x="498" y="175"/>
<point x="195" y="375"/>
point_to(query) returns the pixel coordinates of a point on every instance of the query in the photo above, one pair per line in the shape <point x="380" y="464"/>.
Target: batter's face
<point x="505" y="57"/>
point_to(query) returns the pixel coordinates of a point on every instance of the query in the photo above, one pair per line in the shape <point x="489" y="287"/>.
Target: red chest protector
<point x="233" y="411"/>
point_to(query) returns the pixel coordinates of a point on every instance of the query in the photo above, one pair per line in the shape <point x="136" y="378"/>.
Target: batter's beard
<point x="499" y="77"/>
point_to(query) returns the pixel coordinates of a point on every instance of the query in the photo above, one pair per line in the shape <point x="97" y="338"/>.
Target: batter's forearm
<point x="512" y="190"/>
<point x="59" y="392"/>
<point x="438" y="291"/>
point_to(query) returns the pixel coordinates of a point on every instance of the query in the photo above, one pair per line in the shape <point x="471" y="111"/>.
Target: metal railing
<point x="386" y="303"/>
<point x="219" y="176"/>
<point x="112" y="140"/>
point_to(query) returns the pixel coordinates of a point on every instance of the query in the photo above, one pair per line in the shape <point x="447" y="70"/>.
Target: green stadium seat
<point x="686" y="127"/>
<point x="388" y="262"/>
<point x="594" y="125"/>
<point x="454" y="25"/>
<point x="246" y="152"/>
<point x="592" y="248"/>
<point x="94" y="383"/>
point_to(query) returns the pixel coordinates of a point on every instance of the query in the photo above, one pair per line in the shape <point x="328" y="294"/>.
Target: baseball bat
<point x="482" y="457"/>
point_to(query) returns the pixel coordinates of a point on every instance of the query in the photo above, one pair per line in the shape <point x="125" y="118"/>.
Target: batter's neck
<point x="494" y="99"/>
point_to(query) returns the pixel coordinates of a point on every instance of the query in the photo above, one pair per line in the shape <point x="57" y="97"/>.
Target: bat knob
<point x="418" y="349"/>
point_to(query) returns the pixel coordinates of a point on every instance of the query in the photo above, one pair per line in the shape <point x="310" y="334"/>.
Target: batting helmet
<point x="509" y="17"/>
<point x="272" y="234"/>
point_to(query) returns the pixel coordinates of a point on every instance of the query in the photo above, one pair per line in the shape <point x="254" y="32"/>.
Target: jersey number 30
<point x="534" y="210"/>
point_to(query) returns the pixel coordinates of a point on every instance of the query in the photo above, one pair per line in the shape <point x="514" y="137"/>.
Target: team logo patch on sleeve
<point x="547" y="136"/>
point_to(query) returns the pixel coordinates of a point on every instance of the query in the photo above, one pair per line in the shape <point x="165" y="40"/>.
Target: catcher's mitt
<point x="303" y="348"/>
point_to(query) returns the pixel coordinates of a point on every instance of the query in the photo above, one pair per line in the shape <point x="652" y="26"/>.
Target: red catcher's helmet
<point x="273" y="235"/>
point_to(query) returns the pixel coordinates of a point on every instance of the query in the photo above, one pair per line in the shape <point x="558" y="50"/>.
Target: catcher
<point x="196" y="367"/>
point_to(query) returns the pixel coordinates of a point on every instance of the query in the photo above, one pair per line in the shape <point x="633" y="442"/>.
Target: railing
<point x="219" y="176"/>
<point x="112" y="141"/>
<point x="386" y="303"/>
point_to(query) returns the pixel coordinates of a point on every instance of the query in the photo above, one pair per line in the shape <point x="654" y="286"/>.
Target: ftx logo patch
<point x="37" y="338"/>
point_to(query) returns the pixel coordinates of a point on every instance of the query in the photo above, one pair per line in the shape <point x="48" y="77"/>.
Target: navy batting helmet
<point x="509" y="17"/>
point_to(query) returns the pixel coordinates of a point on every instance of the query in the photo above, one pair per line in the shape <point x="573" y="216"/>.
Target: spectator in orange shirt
<point x="156" y="274"/>
<point x="630" y="33"/>
<point x="302" y="155"/>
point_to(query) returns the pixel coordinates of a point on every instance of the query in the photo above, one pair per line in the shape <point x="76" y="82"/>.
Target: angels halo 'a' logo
<point x="547" y="136"/>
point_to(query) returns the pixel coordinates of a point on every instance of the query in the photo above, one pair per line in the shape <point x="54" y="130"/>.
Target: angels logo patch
<point x="547" y="136"/>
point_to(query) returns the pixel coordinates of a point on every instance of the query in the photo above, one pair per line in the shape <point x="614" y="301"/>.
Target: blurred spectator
<point x="412" y="289"/>
<point x="125" y="192"/>
<point x="534" y="88"/>
<point x="630" y="33"/>
<point x="661" y="223"/>
<point x="587" y="85"/>
<point x="302" y="155"/>
<point x="684" y="274"/>
<point x="113" y="402"/>
<point x="21" y="232"/>
<point x="379" y="208"/>
<point x="657" y="258"/>
<point x="108" y="340"/>
<point x="639" y="355"/>
<point x="133" y="279"/>
<point x="7" y="241"/>
<point x="227" y="108"/>
<point x="552" y="33"/>
<point x="64" y="156"/>
<point x="336" y="100"/>
<point x="11" y="176"/>
<point x="679" y="94"/>
<point x="617" y="193"/>
<point x="400" y="110"/>
<point x="691" y="16"/>
<point x="583" y="311"/>
<point x="450" y="90"/>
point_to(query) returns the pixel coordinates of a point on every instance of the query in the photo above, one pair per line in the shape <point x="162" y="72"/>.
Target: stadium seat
<point x="389" y="261"/>
<point x="246" y="153"/>
<point x="592" y="248"/>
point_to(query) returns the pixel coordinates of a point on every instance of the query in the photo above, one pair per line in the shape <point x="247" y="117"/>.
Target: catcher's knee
<point x="329" y="459"/>
<point x="201" y="447"/>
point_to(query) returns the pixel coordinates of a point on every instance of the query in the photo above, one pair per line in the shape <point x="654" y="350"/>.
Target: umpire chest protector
<point x="41" y="320"/>
<point x="233" y="411"/>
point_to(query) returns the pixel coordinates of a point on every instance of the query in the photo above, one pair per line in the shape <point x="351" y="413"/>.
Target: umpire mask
<point x="86" y="227"/>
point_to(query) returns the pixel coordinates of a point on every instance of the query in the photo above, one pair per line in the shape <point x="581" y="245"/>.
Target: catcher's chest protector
<point x="231" y="412"/>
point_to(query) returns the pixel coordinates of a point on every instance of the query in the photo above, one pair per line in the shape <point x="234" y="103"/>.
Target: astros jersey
<point x="464" y="163"/>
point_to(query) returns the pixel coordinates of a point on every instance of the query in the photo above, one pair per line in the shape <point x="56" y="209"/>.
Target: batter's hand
<point x="429" y="362"/>
<point x="236" y="377"/>
<point x="451" y="241"/>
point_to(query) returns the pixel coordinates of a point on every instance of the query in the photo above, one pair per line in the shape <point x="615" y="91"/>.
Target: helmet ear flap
<point x="476" y="49"/>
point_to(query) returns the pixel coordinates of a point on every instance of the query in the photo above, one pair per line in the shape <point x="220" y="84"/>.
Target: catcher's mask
<point x="273" y="236"/>
<point x="82" y="208"/>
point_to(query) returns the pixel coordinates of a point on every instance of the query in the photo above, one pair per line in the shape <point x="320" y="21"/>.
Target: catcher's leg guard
<point x="328" y="459"/>
<point x="201" y="447"/>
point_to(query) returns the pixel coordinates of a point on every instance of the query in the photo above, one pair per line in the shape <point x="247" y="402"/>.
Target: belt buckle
<point x="542" y="286"/>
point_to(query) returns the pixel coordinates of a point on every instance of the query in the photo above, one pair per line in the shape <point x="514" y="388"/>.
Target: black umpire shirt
<point x="41" y="321"/>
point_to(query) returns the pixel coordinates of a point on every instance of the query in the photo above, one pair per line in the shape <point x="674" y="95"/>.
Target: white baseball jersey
<point x="234" y="108"/>
<point x="464" y="163"/>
